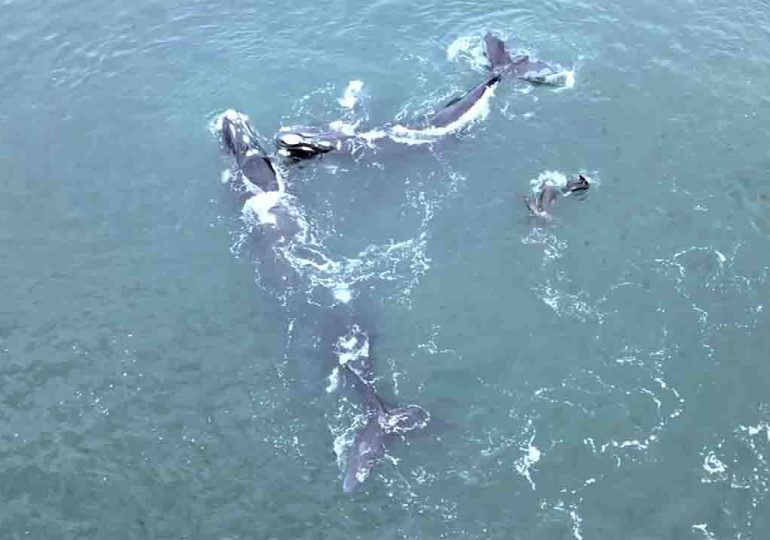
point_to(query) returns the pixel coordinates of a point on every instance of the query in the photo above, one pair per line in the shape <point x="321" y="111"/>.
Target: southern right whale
<point x="260" y="180"/>
<point x="239" y="138"/>
<point x="382" y="425"/>
<point x="303" y="142"/>
<point x="547" y="193"/>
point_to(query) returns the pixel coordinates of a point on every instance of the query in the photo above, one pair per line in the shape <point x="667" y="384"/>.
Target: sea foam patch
<point x="469" y="49"/>
<point x="260" y="207"/>
<point x="351" y="94"/>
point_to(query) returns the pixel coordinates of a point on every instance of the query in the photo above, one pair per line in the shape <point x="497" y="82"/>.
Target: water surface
<point x="600" y="376"/>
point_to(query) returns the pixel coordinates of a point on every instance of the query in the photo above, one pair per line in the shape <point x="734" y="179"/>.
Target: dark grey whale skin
<point x="382" y="426"/>
<point x="520" y="66"/>
<point x="501" y="64"/>
<point x="540" y="204"/>
<point x="453" y="110"/>
<point x="241" y="142"/>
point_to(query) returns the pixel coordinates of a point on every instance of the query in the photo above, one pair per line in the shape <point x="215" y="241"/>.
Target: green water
<point x="601" y="376"/>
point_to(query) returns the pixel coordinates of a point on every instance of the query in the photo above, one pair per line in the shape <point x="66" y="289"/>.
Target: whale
<point x="381" y="425"/>
<point x="540" y="204"/>
<point x="255" y="166"/>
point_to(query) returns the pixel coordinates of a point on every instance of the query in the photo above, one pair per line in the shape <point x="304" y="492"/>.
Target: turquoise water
<point x="602" y="375"/>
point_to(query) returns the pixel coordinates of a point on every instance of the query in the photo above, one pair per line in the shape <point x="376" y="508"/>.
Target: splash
<point x="261" y="208"/>
<point x="562" y="79"/>
<point x="713" y="465"/>
<point x="548" y="178"/>
<point x="525" y="463"/>
<point x="469" y="49"/>
<point x="333" y="381"/>
<point x="352" y="346"/>
<point x="351" y="94"/>
<point x="739" y="467"/>
<point x="703" y="527"/>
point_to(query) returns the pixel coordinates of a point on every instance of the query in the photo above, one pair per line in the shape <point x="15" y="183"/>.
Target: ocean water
<point x="166" y="368"/>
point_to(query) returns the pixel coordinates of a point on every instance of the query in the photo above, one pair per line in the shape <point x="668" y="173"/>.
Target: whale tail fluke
<point x="382" y="424"/>
<point x="496" y="52"/>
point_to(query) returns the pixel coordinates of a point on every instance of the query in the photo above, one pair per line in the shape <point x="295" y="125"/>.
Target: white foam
<point x="564" y="79"/>
<point x="478" y="111"/>
<point x="469" y="49"/>
<point x="215" y="126"/>
<point x="548" y="178"/>
<point x="342" y="126"/>
<point x="260" y="206"/>
<point x="341" y="443"/>
<point x="350" y="96"/>
<point x="577" y="523"/>
<point x="756" y="430"/>
<point x="353" y="345"/>
<point x="569" y="80"/>
<point x="226" y="176"/>
<point x="333" y="380"/>
<point x="373" y="135"/>
<point x="703" y="527"/>
<point x="524" y="463"/>
<point x="713" y="465"/>
<point x="342" y="293"/>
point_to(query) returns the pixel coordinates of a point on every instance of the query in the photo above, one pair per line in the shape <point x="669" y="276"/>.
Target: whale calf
<point x="547" y="194"/>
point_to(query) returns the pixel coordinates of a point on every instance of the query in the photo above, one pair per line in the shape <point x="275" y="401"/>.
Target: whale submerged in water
<point x="381" y="425"/>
